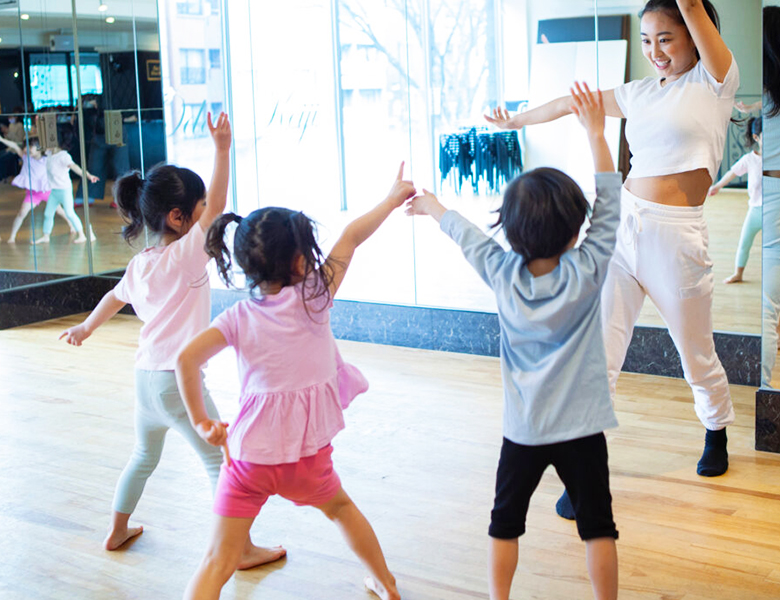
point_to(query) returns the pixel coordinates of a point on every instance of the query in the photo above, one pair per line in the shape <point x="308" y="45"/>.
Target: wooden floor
<point x="418" y="456"/>
<point x="736" y="307"/>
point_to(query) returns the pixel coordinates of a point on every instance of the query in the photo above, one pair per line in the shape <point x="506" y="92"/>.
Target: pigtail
<point x="216" y="247"/>
<point x="318" y="274"/>
<point x="127" y="194"/>
<point x="752" y="128"/>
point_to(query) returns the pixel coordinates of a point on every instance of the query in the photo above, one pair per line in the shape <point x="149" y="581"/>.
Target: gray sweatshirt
<point x="553" y="364"/>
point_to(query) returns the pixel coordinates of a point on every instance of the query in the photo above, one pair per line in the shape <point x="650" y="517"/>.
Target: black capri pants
<point x="582" y="466"/>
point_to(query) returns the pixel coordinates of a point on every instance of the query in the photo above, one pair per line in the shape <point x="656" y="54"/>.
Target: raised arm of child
<point x="108" y="306"/>
<point x="13" y="146"/>
<point x="202" y="347"/>
<point x="78" y="171"/>
<point x="596" y="250"/>
<point x="724" y="181"/>
<point x="216" y="196"/>
<point x="359" y="230"/>
<point x="589" y="108"/>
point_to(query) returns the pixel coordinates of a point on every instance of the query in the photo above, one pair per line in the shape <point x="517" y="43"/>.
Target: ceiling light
<point x="103" y="7"/>
<point x="110" y="19"/>
<point x="25" y="17"/>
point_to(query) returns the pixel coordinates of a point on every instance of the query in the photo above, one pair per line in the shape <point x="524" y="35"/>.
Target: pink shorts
<point x="36" y="197"/>
<point x="244" y="487"/>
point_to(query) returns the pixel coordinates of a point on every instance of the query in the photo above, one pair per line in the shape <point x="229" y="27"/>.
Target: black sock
<point x="715" y="459"/>
<point x="564" y="508"/>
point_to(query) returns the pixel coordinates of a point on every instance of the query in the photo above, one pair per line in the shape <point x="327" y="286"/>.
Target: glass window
<point x="189" y="7"/>
<point x="192" y="66"/>
<point x="215" y="58"/>
<point x="49" y="81"/>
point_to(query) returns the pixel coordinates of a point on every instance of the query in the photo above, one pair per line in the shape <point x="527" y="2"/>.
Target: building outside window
<point x="192" y="66"/>
<point x="190" y="7"/>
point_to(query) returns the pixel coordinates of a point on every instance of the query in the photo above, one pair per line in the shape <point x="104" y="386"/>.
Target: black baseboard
<point x="768" y="420"/>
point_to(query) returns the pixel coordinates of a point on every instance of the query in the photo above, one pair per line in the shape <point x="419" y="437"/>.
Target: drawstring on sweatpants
<point x="633" y="224"/>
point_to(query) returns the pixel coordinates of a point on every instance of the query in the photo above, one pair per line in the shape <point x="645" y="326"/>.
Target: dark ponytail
<point x="127" y="194"/>
<point x="149" y="201"/>
<point x="752" y="128"/>
<point x="216" y="247"/>
<point x="304" y="232"/>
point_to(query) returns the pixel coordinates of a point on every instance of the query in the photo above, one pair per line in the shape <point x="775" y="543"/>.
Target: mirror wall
<point x="81" y="90"/>
<point x="327" y="97"/>
<point x="770" y="372"/>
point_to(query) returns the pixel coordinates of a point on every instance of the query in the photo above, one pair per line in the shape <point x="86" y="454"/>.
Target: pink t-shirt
<point x="294" y="383"/>
<point x="169" y="289"/>
<point x="752" y="165"/>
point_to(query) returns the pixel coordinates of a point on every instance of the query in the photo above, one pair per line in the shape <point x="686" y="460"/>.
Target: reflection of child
<point x="32" y="178"/>
<point x="751" y="165"/>
<point x="58" y="163"/>
<point x="553" y="363"/>
<point x="294" y="385"/>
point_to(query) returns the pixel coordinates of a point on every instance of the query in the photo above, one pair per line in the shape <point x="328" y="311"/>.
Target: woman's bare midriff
<point x="679" y="189"/>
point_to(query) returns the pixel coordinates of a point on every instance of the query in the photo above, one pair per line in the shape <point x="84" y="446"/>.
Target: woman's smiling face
<point x="667" y="44"/>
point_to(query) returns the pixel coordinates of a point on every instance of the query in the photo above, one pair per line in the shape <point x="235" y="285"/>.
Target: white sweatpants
<point x="661" y="252"/>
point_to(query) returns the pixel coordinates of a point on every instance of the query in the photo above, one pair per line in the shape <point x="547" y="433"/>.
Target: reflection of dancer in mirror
<point x="294" y="386"/>
<point x="58" y="164"/>
<point x="168" y="287"/>
<point x="770" y="305"/>
<point x="676" y="127"/>
<point x="32" y="178"/>
<point x="749" y="164"/>
<point x="553" y="364"/>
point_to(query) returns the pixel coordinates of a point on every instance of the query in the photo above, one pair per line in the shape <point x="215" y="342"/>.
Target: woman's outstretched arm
<point x="555" y="109"/>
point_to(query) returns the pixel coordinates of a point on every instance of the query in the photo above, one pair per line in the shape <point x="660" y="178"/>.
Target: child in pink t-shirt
<point x="294" y="384"/>
<point x="168" y="286"/>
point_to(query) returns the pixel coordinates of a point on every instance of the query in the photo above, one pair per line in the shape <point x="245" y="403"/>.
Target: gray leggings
<point x="64" y="198"/>
<point x="158" y="408"/>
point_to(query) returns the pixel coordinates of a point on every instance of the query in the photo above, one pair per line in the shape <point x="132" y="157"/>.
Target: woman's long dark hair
<point x="772" y="59"/>
<point x="148" y="201"/>
<point x="266" y="244"/>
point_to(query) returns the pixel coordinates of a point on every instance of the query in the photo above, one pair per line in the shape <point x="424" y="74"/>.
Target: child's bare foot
<point x="254" y="556"/>
<point x="117" y="537"/>
<point x="380" y="590"/>
<point x="44" y="239"/>
<point x="11" y="240"/>
<point x="735" y="278"/>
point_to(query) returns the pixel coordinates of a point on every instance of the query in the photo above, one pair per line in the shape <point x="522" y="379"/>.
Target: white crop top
<point x="680" y="126"/>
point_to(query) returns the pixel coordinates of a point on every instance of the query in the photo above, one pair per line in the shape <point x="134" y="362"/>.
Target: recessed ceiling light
<point x="25" y="17"/>
<point x="110" y="19"/>
<point x="103" y="7"/>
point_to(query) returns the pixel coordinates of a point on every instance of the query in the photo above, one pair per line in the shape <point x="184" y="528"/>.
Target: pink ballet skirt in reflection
<point x="33" y="176"/>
